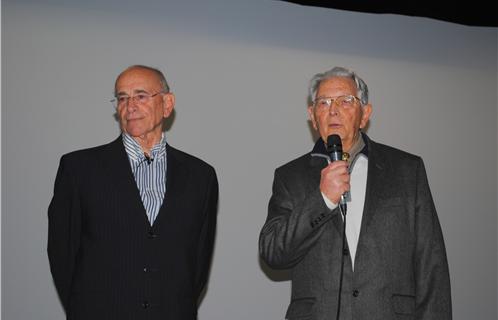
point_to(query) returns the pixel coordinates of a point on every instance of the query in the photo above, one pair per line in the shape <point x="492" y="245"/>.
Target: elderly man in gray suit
<point x="393" y="263"/>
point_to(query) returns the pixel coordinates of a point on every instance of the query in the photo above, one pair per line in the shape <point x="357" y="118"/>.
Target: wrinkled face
<point x="338" y="119"/>
<point x="142" y="117"/>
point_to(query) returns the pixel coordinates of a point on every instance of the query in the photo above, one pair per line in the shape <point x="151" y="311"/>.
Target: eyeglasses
<point x="344" y="102"/>
<point x="140" y="98"/>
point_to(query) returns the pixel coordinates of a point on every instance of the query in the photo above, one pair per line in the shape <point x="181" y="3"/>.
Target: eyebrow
<point x="136" y="91"/>
<point x="342" y="95"/>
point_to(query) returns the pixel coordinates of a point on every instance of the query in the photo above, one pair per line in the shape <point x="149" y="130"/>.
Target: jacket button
<point x="356" y="293"/>
<point x="146" y="270"/>
<point x="345" y="252"/>
<point x="145" y="304"/>
<point x="151" y="235"/>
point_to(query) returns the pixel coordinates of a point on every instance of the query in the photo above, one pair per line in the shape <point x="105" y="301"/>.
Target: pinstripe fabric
<point x="149" y="176"/>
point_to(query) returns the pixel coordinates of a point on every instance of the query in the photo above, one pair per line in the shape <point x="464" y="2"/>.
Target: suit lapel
<point x="377" y="181"/>
<point x="176" y="180"/>
<point x="118" y="165"/>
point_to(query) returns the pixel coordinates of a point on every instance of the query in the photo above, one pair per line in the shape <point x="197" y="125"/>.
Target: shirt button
<point x="356" y="293"/>
<point x="145" y="304"/>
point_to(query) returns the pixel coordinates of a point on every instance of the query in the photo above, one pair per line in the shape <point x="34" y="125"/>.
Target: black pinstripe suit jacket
<point x="106" y="260"/>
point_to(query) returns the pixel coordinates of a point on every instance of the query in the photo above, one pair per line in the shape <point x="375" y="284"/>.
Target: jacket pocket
<point x="300" y="309"/>
<point x="403" y="304"/>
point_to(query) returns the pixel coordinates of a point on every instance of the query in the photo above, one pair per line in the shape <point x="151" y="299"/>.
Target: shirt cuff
<point x="329" y="203"/>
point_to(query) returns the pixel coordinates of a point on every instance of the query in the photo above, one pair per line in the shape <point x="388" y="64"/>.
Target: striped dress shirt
<point x="149" y="173"/>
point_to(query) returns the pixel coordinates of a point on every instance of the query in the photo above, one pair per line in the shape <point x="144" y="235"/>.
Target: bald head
<point x="154" y="74"/>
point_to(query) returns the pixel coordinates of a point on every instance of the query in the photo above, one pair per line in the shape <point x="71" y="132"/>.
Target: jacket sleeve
<point x="64" y="223"/>
<point x="293" y="225"/>
<point x="207" y="234"/>
<point x="433" y="293"/>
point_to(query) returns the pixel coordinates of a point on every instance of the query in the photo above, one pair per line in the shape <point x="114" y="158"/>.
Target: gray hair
<point x="362" y="89"/>
<point x="157" y="72"/>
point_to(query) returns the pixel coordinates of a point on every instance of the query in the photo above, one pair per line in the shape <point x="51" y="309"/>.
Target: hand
<point x="334" y="180"/>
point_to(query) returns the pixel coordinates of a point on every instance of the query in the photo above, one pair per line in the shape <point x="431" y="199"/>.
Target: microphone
<point x="334" y="148"/>
<point x="149" y="159"/>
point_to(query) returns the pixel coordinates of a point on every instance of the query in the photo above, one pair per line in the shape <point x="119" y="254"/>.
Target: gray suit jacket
<point x="401" y="270"/>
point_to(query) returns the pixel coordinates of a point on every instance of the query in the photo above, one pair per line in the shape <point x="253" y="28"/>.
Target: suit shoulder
<point x="395" y="155"/>
<point x="87" y="153"/>
<point x="190" y="160"/>
<point x="295" y="165"/>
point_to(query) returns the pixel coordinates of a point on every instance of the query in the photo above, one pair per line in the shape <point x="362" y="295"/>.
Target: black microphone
<point x="334" y="148"/>
<point x="148" y="158"/>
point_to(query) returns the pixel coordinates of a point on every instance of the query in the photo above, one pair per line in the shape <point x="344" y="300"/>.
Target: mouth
<point x="133" y="118"/>
<point x="335" y="125"/>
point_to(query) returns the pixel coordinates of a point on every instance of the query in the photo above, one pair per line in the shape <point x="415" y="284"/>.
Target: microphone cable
<point x="343" y="209"/>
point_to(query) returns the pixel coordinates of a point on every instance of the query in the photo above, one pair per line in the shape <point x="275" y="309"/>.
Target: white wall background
<point x="240" y="71"/>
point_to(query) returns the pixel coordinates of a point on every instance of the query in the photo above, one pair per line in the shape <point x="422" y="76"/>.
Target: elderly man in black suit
<point x="132" y="222"/>
<point x="393" y="262"/>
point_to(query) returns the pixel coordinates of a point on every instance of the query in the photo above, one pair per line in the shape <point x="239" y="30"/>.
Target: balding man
<point x="132" y="222"/>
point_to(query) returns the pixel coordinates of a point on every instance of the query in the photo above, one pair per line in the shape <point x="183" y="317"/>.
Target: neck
<point x="148" y="141"/>
<point x="357" y="146"/>
<point x="348" y="147"/>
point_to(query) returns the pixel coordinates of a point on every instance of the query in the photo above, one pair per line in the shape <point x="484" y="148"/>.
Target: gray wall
<point x="240" y="72"/>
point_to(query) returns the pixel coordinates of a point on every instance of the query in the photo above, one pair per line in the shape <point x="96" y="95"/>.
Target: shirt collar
<point x="360" y="147"/>
<point x="135" y="152"/>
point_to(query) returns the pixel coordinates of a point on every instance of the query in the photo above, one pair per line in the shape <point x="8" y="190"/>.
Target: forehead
<point x="336" y="86"/>
<point x="137" y="79"/>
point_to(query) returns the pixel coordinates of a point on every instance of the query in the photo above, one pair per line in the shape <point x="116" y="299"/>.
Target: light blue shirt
<point x="149" y="173"/>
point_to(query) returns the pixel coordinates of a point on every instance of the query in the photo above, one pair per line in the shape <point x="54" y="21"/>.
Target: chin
<point x="135" y="133"/>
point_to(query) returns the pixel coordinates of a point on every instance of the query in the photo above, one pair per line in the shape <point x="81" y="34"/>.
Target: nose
<point x="333" y="109"/>
<point x="131" y="104"/>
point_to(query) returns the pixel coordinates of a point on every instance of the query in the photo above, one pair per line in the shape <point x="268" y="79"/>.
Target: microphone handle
<point x="336" y="156"/>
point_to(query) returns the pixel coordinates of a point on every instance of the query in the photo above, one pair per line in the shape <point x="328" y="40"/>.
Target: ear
<point x="168" y="104"/>
<point x="365" y="115"/>
<point x="311" y="116"/>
